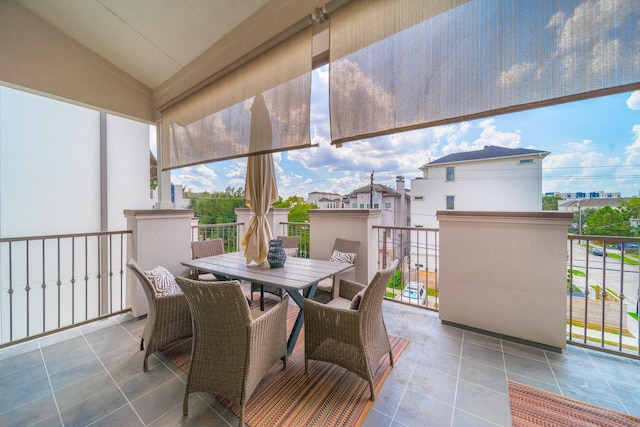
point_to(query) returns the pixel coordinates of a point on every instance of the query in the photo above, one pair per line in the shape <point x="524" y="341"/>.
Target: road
<point x="607" y="271"/>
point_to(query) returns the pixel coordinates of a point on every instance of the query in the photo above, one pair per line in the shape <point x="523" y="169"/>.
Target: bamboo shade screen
<point x="217" y="123"/>
<point x="398" y="65"/>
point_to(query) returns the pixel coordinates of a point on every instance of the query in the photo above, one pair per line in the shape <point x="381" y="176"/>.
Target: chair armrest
<point x="268" y="342"/>
<point x="271" y="318"/>
<point x="320" y="321"/>
<point x="349" y="288"/>
<point x="348" y="274"/>
<point x="175" y="321"/>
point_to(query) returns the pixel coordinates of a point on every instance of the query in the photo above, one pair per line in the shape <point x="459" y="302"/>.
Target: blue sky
<point x="594" y="145"/>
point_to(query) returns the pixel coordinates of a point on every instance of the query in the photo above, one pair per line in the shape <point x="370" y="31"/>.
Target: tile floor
<point x="92" y="375"/>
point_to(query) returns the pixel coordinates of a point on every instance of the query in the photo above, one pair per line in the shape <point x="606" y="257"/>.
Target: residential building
<point x="394" y="204"/>
<point x="325" y="200"/>
<point x="582" y="195"/>
<point x="492" y="179"/>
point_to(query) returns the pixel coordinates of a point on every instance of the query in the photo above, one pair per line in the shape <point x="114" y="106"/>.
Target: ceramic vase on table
<point x="276" y="256"/>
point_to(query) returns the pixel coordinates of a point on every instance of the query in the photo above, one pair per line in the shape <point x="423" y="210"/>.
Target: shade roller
<point x="261" y="107"/>
<point x="398" y="65"/>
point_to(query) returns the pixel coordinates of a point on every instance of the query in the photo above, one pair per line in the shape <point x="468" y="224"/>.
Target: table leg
<point x="297" y="326"/>
<point x="261" y="297"/>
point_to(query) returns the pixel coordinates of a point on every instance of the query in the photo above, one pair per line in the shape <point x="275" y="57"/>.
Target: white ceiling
<point x="152" y="40"/>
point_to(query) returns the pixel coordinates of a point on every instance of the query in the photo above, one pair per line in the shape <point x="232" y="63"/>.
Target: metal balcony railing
<point x="603" y="290"/>
<point x="300" y="229"/>
<point x="229" y="232"/>
<point x="416" y="282"/>
<point x="54" y="282"/>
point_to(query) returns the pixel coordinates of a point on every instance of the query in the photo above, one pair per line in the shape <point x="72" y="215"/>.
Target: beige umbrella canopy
<point x="260" y="189"/>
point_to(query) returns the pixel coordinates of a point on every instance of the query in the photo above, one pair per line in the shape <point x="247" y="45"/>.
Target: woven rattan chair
<point x="168" y="320"/>
<point x="289" y="243"/>
<point x="231" y="352"/>
<point x="328" y="288"/>
<point x="205" y="248"/>
<point x="355" y="339"/>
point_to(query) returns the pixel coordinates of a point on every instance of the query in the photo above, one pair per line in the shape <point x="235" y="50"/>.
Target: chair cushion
<point x="292" y="252"/>
<point x="355" y="302"/>
<point x="343" y="257"/>
<point x="163" y="281"/>
<point x="339" y="302"/>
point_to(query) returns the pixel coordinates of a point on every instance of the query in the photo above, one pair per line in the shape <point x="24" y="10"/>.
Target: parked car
<point x="596" y="251"/>
<point x="414" y="293"/>
<point x="627" y="246"/>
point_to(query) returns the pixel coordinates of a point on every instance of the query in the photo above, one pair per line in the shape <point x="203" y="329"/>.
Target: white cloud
<point x="512" y="77"/>
<point x="195" y="178"/>
<point x="633" y="150"/>
<point x="633" y="102"/>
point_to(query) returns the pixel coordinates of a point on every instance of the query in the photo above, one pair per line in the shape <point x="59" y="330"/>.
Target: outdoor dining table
<point x="299" y="277"/>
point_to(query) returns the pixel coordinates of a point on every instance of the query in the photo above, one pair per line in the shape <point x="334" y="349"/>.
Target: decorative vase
<point x="276" y="255"/>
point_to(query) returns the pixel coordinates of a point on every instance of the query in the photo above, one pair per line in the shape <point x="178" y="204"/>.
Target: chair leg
<point x="373" y="396"/>
<point x="261" y="298"/>
<point x="185" y="403"/>
<point x="241" y="417"/>
<point x="390" y="358"/>
<point x="141" y="344"/>
<point x="284" y="362"/>
<point x="145" y="364"/>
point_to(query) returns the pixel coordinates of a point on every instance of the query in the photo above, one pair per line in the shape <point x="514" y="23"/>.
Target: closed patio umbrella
<point x="260" y="189"/>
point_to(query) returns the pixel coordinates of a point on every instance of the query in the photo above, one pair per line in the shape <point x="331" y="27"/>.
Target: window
<point x="450" y="173"/>
<point x="418" y="198"/>
<point x="450" y="203"/>
<point x="387" y="205"/>
<point x="354" y="206"/>
<point x="376" y="206"/>
<point x="361" y="206"/>
<point x="526" y="161"/>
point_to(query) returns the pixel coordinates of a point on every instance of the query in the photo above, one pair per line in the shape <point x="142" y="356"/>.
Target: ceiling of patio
<point x="171" y="46"/>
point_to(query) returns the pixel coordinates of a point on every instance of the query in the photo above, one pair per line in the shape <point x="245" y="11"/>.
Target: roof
<point x="593" y="203"/>
<point x="378" y="188"/>
<point x="488" y="152"/>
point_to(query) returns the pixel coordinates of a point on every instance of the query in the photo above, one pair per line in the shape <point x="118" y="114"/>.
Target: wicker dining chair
<point x="205" y="248"/>
<point x="231" y="352"/>
<point x="290" y="245"/>
<point x="168" y="320"/>
<point x="344" y="251"/>
<point x="349" y="331"/>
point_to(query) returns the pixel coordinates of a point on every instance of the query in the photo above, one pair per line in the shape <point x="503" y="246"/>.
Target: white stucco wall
<point x="490" y="185"/>
<point x="50" y="183"/>
<point x="49" y="166"/>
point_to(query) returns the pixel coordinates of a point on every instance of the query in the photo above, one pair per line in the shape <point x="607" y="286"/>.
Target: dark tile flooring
<point x="92" y="375"/>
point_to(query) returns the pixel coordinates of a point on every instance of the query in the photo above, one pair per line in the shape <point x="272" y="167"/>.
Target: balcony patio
<point x="92" y="375"/>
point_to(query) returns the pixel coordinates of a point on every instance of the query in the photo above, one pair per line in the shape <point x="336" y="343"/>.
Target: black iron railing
<point x="54" y="282"/>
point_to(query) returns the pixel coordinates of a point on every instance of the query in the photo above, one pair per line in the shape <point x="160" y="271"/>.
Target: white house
<point x="491" y="179"/>
<point x="325" y="200"/>
<point x="394" y="204"/>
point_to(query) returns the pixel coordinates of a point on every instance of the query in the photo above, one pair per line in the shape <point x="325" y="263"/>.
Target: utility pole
<point x="371" y="192"/>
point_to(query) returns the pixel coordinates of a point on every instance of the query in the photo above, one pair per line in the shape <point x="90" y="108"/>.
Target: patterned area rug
<point x="531" y="406"/>
<point x="328" y="396"/>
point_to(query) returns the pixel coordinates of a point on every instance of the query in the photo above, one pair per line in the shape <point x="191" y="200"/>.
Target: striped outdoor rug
<point x="328" y="396"/>
<point x="531" y="406"/>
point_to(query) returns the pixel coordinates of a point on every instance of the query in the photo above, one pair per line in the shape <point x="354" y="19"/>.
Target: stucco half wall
<point x="505" y="273"/>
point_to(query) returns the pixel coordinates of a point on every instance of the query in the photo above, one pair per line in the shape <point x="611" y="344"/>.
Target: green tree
<point x="607" y="221"/>
<point x="550" y="203"/>
<point x="581" y="216"/>
<point x="630" y="209"/>
<point x="218" y="207"/>
<point x="298" y="208"/>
